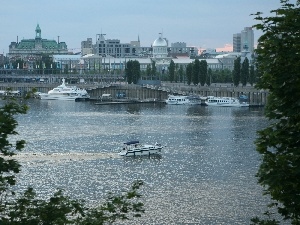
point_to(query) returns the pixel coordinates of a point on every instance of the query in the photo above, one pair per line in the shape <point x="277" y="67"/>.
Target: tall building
<point x="237" y="42"/>
<point x="113" y="47"/>
<point x="87" y="46"/>
<point x="247" y="39"/>
<point x="244" y="41"/>
<point x="34" y="48"/>
<point x="181" y="49"/>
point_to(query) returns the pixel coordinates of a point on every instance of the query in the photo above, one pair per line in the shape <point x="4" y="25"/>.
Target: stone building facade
<point x="34" y="48"/>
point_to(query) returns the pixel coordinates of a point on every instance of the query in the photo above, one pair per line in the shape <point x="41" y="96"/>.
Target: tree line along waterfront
<point x="197" y="72"/>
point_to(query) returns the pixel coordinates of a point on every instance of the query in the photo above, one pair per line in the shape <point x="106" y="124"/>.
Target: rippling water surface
<point x="205" y="175"/>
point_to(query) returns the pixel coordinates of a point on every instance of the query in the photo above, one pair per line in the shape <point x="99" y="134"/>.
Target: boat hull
<point x="176" y="103"/>
<point x="226" y="105"/>
<point x="139" y="152"/>
<point x="225" y="102"/>
<point x="65" y="98"/>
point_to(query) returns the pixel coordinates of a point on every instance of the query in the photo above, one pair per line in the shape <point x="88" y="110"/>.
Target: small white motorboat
<point x="134" y="148"/>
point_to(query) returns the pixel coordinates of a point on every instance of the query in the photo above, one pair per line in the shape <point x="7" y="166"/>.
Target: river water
<point x="205" y="175"/>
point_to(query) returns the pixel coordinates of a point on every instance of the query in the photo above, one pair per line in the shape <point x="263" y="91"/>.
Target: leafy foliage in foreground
<point x="279" y="144"/>
<point x="59" y="209"/>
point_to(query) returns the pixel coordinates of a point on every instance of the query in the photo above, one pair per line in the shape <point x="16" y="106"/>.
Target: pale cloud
<point x="226" y="48"/>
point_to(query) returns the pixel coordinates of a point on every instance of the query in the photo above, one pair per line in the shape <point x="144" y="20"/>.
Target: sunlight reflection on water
<point x="204" y="176"/>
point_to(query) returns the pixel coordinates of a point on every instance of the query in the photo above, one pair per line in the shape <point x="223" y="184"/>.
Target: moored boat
<point x="178" y="100"/>
<point x="63" y="92"/>
<point x="225" y="102"/>
<point x="134" y="148"/>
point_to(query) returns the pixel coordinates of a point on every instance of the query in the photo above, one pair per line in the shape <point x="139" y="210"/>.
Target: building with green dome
<point x="33" y="49"/>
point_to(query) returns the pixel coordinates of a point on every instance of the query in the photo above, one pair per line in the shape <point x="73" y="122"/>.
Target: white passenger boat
<point x="134" y="148"/>
<point x="225" y="102"/>
<point x="178" y="100"/>
<point x="63" y="92"/>
<point x="8" y="93"/>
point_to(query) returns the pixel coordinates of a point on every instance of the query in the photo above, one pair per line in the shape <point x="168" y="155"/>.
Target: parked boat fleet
<point x="208" y="101"/>
<point x="73" y="93"/>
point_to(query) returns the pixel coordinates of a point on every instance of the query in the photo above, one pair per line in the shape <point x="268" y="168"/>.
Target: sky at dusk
<point x="201" y="23"/>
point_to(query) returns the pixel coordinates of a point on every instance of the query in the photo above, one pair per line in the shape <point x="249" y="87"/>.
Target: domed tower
<point x="160" y="47"/>
<point x="160" y="54"/>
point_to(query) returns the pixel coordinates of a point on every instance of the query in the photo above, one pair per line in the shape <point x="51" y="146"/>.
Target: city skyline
<point x="201" y="23"/>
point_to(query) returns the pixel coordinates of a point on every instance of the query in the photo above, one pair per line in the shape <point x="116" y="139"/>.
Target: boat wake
<point x="78" y="156"/>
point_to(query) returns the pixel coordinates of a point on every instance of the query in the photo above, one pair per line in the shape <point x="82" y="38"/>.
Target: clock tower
<point x="38" y="32"/>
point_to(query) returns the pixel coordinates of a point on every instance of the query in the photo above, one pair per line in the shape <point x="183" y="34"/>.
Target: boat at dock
<point x="134" y="148"/>
<point x="225" y="102"/>
<point x="184" y="100"/>
<point x="63" y="92"/>
<point x="8" y="93"/>
<point x="178" y="100"/>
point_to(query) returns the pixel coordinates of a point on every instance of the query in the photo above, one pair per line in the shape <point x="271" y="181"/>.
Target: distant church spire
<point x="38" y="31"/>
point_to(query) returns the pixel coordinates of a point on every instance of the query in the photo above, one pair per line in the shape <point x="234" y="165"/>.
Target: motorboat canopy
<point x="131" y="142"/>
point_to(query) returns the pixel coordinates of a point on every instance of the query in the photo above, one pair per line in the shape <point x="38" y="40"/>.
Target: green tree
<point x="172" y="71"/>
<point x="227" y="75"/>
<point x="189" y="73"/>
<point x="132" y="71"/>
<point x="176" y="76"/>
<point x="209" y="76"/>
<point x="59" y="209"/>
<point x="215" y="76"/>
<point x="202" y="72"/>
<point x="196" y="71"/>
<point x="181" y="73"/>
<point x="236" y="73"/>
<point x="153" y="69"/>
<point x="252" y="75"/>
<point x="279" y="143"/>
<point x="148" y="72"/>
<point x="245" y="72"/>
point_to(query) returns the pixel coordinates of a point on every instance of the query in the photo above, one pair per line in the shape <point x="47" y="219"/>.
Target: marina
<point x="148" y="93"/>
